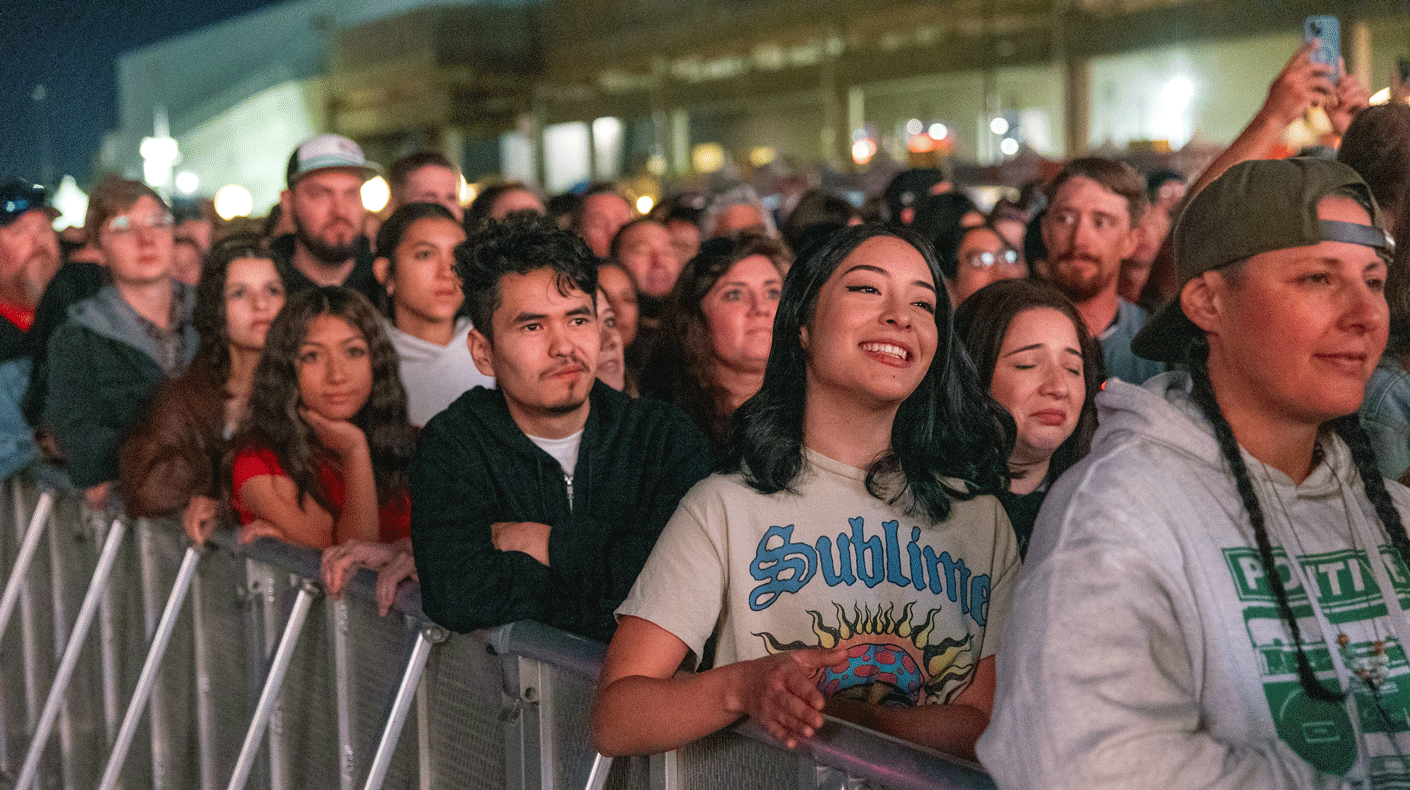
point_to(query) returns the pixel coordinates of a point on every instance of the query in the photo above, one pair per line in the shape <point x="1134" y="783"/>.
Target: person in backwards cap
<point x="325" y="176"/>
<point x="1214" y="596"/>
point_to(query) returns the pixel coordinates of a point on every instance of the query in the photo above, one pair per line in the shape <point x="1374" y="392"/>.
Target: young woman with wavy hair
<point x="825" y="566"/>
<point x="323" y="460"/>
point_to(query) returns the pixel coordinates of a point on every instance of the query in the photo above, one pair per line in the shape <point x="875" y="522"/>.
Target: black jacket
<point x="474" y="467"/>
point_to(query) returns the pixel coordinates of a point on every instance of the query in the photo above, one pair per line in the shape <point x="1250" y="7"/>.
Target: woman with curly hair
<point x="171" y="462"/>
<point x="709" y="358"/>
<point x="323" y="460"/>
<point x="824" y="567"/>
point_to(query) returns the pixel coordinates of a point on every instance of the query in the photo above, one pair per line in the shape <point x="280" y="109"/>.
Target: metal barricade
<point x="156" y="665"/>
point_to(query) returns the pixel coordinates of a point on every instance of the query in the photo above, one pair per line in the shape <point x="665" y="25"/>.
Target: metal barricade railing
<point x="225" y="667"/>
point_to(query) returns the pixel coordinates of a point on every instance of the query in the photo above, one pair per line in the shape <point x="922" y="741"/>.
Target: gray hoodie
<point x="1145" y="649"/>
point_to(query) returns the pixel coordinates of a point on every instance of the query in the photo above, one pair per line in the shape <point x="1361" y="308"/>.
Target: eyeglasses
<point x="984" y="260"/>
<point x="124" y="224"/>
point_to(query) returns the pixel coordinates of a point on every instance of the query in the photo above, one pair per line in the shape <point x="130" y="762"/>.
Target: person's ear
<point x="381" y="268"/>
<point x="481" y="350"/>
<point x="286" y="203"/>
<point x="803" y="337"/>
<point x="1202" y="300"/>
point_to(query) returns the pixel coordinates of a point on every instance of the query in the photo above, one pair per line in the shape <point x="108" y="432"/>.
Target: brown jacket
<point x="175" y="453"/>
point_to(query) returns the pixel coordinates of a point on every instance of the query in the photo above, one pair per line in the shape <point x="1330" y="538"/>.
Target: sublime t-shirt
<point x="916" y="603"/>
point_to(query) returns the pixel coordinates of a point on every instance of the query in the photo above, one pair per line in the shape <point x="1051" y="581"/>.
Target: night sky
<point x="71" y="47"/>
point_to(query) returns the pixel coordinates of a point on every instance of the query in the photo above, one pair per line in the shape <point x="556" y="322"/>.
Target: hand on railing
<point x="392" y="561"/>
<point x="781" y="692"/>
<point x="199" y="518"/>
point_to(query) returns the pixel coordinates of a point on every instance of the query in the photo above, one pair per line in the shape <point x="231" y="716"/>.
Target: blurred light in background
<point x="187" y="182"/>
<point x="375" y="194"/>
<point x="939" y="131"/>
<point x="863" y="150"/>
<point x="707" y="157"/>
<point x="233" y="200"/>
<point x="644" y="204"/>
<point x="72" y="204"/>
<point x="999" y="125"/>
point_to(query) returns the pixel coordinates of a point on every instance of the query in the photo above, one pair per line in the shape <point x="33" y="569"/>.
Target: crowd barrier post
<point x="597" y="774"/>
<point x="29" y="544"/>
<point x="160" y="639"/>
<point x="269" y="695"/>
<point x="31" y="641"/>
<point x="74" y="645"/>
<point x="343" y="703"/>
<point x="408" y="690"/>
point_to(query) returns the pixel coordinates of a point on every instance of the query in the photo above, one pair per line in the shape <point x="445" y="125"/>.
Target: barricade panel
<point x="506" y="708"/>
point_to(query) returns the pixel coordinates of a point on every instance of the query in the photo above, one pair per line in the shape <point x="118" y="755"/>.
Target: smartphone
<point x="1327" y="31"/>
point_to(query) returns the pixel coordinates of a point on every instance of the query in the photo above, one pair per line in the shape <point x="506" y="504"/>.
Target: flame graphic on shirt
<point x="948" y="663"/>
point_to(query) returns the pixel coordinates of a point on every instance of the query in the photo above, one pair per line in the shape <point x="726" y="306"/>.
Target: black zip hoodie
<point x="474" y="467"/>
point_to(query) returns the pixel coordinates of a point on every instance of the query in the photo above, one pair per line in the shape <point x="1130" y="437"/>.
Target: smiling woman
<point x="1229" y="553"/>
<point x="869" y="438"/>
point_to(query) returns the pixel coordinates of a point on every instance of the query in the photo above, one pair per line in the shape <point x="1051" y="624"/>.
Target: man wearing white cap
<point x="324" y="199"/>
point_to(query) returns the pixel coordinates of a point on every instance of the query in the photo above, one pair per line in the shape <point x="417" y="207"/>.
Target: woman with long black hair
<point x="1214" y="596"/>
<point x="848" y="564"/>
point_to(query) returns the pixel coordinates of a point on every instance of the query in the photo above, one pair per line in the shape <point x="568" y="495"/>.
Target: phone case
<point x="1327" y="31"/>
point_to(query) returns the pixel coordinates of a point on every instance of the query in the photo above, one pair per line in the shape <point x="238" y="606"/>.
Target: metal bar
<point x="665" y="771"/>
<point x="154" y="598"/>
<point x="423" y="737"/>
<point x="28" y="547"/>
<point x="110" y="656"/>
<point x="207" y="719"/>
<point x="597" y="776"/>
<point x="29" y="771"/>
<point x="343" y="692"/>
<point x="401" y="705"/>
<point x="282" y="657"/>
<point x="148" y="678"/>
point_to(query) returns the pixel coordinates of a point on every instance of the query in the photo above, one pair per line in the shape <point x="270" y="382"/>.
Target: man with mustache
<point x="324" y="199"/>
<point x="1094" y="205"/>
<point x="541" y="499"/>
<point x="29" y="257"/>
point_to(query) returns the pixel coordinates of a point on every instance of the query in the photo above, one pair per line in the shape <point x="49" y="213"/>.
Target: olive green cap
<point x="1254" y="207"/>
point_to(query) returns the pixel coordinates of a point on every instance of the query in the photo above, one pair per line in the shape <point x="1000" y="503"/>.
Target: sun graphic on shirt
<point x="891" y="658"/>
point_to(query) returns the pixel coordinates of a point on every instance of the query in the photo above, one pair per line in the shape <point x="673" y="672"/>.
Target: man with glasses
<point x="117" y="347"/>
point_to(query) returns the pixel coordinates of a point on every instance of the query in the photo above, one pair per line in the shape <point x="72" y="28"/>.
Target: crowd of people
<point x="1097" y="487"/>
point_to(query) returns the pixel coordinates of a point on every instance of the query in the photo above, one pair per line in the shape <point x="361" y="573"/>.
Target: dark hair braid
<point x="1350" y="430"/>
<point x="1203" y="394"/>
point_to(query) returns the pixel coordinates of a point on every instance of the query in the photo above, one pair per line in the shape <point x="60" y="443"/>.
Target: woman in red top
<point x="323" y="460"/>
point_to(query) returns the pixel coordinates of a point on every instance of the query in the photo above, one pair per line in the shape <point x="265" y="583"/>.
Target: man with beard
<point x="29" y="257"/>
<point x="1094" y="205"/>
<point x="542" y="498"/>
<point x="324" y="199"/>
